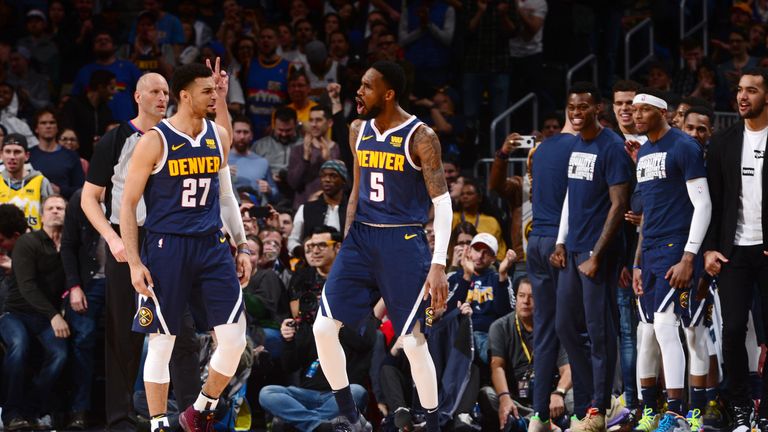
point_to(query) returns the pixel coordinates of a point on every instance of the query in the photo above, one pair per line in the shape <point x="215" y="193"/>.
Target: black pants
<point x="747" y="266"/>
<point x="124" y="347"/>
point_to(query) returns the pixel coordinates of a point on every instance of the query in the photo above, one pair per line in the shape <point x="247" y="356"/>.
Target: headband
<point x="645" y="98"/>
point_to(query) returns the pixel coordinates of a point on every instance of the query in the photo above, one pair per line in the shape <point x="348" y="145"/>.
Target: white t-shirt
<point x="519" y="47"/>
<point x="749" y="227"/>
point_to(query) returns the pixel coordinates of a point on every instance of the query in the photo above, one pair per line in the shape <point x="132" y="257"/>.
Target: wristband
<point x="501" y="155"/>
<point x="503" y="394"/>
<point x="559" y="393"/>
<point x="636" y="267"/>
<point x="245" y="251"/>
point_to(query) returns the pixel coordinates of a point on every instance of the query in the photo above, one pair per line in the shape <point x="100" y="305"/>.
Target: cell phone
<point x="526" y="141"/>
<point x="259" y="212"/>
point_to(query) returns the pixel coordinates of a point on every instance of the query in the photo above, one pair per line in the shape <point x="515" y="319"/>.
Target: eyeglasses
<point x="464" y="243"/>
<point x="320" y="246"/>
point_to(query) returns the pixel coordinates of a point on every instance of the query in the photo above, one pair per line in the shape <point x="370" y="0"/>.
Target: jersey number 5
<point x="189" y="194"/>
<point x="377" y="187"/>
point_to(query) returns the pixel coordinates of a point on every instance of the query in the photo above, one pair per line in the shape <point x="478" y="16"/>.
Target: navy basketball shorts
<point x="194" y="272"/>
<point x="658" y="294"/>
<point x="393" y="262"/>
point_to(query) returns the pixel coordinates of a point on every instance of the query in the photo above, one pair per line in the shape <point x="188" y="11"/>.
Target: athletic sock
<point x="698" y="398"/>
<point x="711" y="394"/>
<point x="675" y="405"/>
<point x="433" y="420"/>
<point x="651" y="397"/>
<point x="205" y="402"/>
<point x="158" y="421"/>
<point x="346" y="404"/>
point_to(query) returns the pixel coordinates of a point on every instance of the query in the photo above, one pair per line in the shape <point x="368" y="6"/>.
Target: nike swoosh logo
<point x="410" y="236"/>
<point x="222" y="240"/>
<point x="177" y="146"/>
<point x="367" y="137"/>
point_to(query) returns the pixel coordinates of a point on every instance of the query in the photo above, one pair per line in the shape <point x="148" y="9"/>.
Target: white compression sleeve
<point x="230" y="211"/>
<point x="647" y="352"/>
<point x="698" y="192"/>
<point x="422" y="368"/>
<point x="562" y="232"/>
<point x="442" y="227"/>
<point x="665" y="325"/>
<point x="698" y="355"/>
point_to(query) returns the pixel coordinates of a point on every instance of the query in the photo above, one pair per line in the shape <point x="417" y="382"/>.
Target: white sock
<point x="157" y="422"/>
<point x="205" y="402"/>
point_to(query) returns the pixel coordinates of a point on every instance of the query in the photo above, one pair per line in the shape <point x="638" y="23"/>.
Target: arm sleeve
<point x="294" y="239"/>
<point x="698" y="192"/>
<point x="562" y="232"/>
<point x="442" y="226"/>
<point x="230" y="211"/>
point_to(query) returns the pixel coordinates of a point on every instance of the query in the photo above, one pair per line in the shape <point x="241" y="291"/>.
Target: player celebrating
<point x="671" y="180"/>
<point x="181" y="169"/>
<point x="397" y="170"/>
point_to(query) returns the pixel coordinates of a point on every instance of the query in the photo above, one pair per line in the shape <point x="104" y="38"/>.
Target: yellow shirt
<point x="28" y="198"/>
<point x="486" y="224"/>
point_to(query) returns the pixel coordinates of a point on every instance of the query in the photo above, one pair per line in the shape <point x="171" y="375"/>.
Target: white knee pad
<point x="647" y="352"/>
<point x="230" y="340"/>
<point x="159" y="350"/>
<point x="698" y="354"/>
<point x="666" y="325"/>
<point x="330" y="352"/>
<point x="326" y="329"/>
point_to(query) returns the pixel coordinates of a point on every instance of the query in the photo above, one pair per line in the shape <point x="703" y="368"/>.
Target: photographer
<point x="311" y="404"/>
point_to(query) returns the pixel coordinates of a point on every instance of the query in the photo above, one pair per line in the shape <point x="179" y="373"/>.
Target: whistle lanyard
<point x="527" y="353"/>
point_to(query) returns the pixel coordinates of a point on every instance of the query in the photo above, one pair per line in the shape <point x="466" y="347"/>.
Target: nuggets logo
<point x="210" y="143"/>
<point x="528" y="228"/>
<point x="684" y="299"/>
<point x="396" y="141"/>
<point x="429" y="316"/>
<point x="145" y="316"/>
<point x="708" y="316"/>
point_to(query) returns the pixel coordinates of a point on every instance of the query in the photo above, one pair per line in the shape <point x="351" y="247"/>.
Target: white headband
<point x="645" y="98"/>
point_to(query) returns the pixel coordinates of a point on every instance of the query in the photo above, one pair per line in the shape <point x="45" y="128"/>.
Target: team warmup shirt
<point x="392" y="189"/>
<point x="593" y="167"/>
<point x="550" y="162"/>
<point x="749" y="226"/>
<point x="182" y="194"/>
<point x="663" y="168"/>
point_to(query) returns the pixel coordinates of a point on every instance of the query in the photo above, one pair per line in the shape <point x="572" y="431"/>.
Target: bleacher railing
<point x="504" y="117"/>
<point x="629" y="70"/>
<point x="589" y="60"/>
<point x="701" y="25"/>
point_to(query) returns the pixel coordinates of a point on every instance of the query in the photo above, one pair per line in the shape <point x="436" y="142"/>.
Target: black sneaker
<point x="403" y="418"/>
<point x="17" y="423"/>
<point x="743" y="417"/>
<point x="342" y="424"/>
<point x="762" y="424"/>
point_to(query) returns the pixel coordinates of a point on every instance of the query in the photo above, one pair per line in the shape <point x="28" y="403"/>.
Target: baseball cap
<point x="37" y="13"/>
<point x="16" y="139"/>
<point x="487" y="240"/>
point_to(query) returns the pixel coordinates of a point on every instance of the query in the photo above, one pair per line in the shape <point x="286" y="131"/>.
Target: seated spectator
<point x="338" y="47"/>
<point x="250" y="170"/>
<point x="510" y="341"/>
<point x="276" y="148"/>
<point x="659" y="77"/>
<point x="686" y="78"/>
<point x="34" y="86"/>
<point x="330" y="209"/>
<point x="461" y="237"/>
<point x="298" y="93"/>
<point x="22" y="187"/>
<point x="285" y="218"/>
<point x="9" y="110"/>
<point x="90" y="114"/>
<point x="305" y="162"/>
<point x="68" y="139"/>
<point x="58" y="164"/>
<point x="711" y="88"/>
<point x="478" y="284"/>
<point x="389" y="49"/>
<point x="551" y="125"/>
<point x="730" y="70"/>
<point x="469" y="210"/>
<point x="274" y="254"/>
<point x="32" y="315"/>
<point x="83" y="254"/>
<point x="311" y="403"/>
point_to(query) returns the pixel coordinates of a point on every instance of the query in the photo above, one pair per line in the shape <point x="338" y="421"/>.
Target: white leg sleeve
<point x="230" y="339"/>
<point x="422" y="368"/>
<point x="666" y="326"/>
<point x="647" y="352"/>
<point x="698" y="353"/>
<point x="330" y="352"/>
<point x="753" y="349"/>
<point x="159" y="350"/>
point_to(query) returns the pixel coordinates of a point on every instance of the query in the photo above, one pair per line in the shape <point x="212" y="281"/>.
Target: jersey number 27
<point x="189" y="193"/>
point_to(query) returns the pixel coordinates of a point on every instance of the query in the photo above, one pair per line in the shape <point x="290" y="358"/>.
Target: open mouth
<point x="360" y="105"/>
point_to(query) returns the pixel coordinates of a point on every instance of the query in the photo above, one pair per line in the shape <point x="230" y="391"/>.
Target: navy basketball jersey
<point x="392" y="189"/>
<point x="182" y="194"/>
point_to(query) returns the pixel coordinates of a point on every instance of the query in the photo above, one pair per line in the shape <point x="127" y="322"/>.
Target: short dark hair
<point x="255" y="238"/>
<point x="100" y="78"/>
<point x="626" y="85"/>
<point x="326" y="111"/>
<point x="185" y="75"/>
<point x="323" y="229"/>
<point x="12" y="220"/>
<point x="470" y="181"/>
<point x="582" y="87"/>
<point x="302" y="21"/>
<point x="451" y="159"/>
<point x="240" y="118"/>
<point x="285" y="114"/>
<point x="296" y="72"/>
<point x="758" y="71"/>
<point x="393" y="76"/>
<point x="552" y="116"/>
<point x="693" y="101"/>
<point x="42" y="111"/>
<point x="701" y="110"/>
<point x="285" y="210"/>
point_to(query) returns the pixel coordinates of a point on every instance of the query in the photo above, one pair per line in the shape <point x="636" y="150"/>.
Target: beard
<point x="371" y="114"/>
<point x="753" y="112"/>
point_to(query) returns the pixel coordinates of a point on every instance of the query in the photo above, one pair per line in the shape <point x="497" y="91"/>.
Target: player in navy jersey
<point x="599" y="173"/>
<point x="397" y="171"/>
<point x="671" y="180"/>
<point x="180" y="167"/>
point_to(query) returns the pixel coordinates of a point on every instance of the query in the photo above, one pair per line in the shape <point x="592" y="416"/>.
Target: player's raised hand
<point x="436" y="286"/>
<point x="244" y="268"/>
<point x="141" y="279"/>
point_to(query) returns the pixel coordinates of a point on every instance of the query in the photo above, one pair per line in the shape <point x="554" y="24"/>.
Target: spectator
<point x="685" y="104"/>
<point x="243" y="53"/>
<point x="711" y="88"/>
<point x="478" y="284"/>
<point x="286" y="48"/>
<point x="89" y="114"/>
<point x="274" y="255"/>
<point x="126" y="75"/>
<point x="426" y="32"/>
<point x="510" y="341"/>
<point x="298" y="11"/>
<point x="338" y="47"/>
<point x="32" y="312"/>
<point x="169" y="30"/>
<point x="146" y="52"/>
<point x="250" y="170"/>
<point x="250" y="224"/>
<point x="285" y="218"/>
<point x="305" y="162"/>
<point x="83" y="255"/>
<point x="188" y="13"/>
<point x="68" y="139"/>
<point x="389" y="49"/>
<point x="686" y="77"/>
<point x="58" y="164"/>
<point x="77" y="38"/>
<point x="267" y="82"/>
<point x="233" y="20"/>
<point x="510" y="190"/>
<point x="451" y="169"/>
<point x="44" y="52"/>
<point x="305" y="33"/>
<point x="9" y="109"/>
<point x="25" y="188"/>
<point x="331" y="24"/>
<point x="470" y="210"/>
<point x="328" y="210"/>
<point x="526" y="47"/>
<point x="658" y="77"/>
<point x="757" y="46"/>
<point x="311" y="403"/>
<point x="276" y="148"/>
<point x="444" y="118"/>
<point x="730" y="70"/>
<point x="298" y="94"/>
<point x="551" y="125"/>
<point x="321" y="69"/>
<point x="461" y="238"/>
<point x="35" y="87"/>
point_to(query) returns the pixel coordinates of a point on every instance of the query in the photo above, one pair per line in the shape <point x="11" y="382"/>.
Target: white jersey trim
<point x="194" y="142"/>
<point x="383" y="136"/>
<point x="236" y="309"/>
<point x="218" y="140"/>
<point x="407" y="149"/>
<point x="160" y="165"/>
<point x="416" y="305"/>
<point x="360" y="135"/>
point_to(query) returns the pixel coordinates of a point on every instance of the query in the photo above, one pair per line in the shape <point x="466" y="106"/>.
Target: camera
<point x="526" y="142"/>
<point x="259" y="212"/>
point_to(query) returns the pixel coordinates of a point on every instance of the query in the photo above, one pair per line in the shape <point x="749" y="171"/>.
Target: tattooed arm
<point x="354" y="131"/>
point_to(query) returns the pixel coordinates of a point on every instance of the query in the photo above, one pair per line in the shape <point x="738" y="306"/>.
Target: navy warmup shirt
<point x="550" y="162"/>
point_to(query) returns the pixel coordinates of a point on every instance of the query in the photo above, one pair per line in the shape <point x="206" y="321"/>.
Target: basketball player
<point x="180" y="167"/>
<point x="671" y="180"/>
<point x="397" y="170"/>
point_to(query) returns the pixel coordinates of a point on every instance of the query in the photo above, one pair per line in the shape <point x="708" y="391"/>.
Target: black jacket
<point x="314" y="214"/>
<point x="724" y="178"/>
<point x="79" y="244"/>
<point x="39" y="276"/>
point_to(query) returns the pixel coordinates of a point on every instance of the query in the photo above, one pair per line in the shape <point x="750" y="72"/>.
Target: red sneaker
<point x="192" y="420"/>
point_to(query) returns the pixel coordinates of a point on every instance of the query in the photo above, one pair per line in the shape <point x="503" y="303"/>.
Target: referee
<point x="105" y="183"/>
